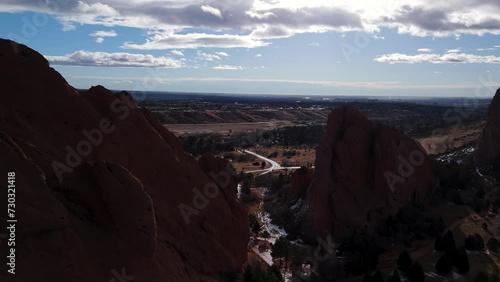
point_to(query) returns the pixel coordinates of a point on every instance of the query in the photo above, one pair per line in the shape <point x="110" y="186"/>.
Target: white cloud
<point x="100" y="34"/>
<point x="486" y="49"/>
<point x="258" y="55"/>
<point x="260" y="15"/>
<point x="207" y="57"/>
<point x="457" y="50"/>
<point x="197" y="40"/>
<point x="222" y="54"/>
<point x="103" y="59"/>
<point x="271" y="32"/>
<point x="169" y="24"/>
<point x="314" y="44"/>
<point x="424" y="50"/>
<point x="122" y="82"/>
<point x="95" y="8"/>
<point x="211" y="10"/>
<point x="449" y="58"/>
<point x="67" y="26"/>
<point x="104" y="33"/>
<point x="177" y="53"/>
<point x="227" y="67"/>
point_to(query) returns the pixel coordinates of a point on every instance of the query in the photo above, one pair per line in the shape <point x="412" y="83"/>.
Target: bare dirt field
<point x="453" y="138"/>
<point x="225" y="129"/>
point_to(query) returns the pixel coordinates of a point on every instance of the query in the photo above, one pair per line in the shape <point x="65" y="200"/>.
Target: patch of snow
<point x="433" y="275"/>
<point x="274" y="230"/>
<point x="287" y="275"/>
<point x="266" y="255"/>
<point x="296" y="205"/>
<point x="457" y="156"/>
<point x="457" y="276"/>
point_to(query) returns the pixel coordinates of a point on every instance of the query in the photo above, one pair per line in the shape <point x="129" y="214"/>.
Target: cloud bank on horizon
<point x="214" y="36"/>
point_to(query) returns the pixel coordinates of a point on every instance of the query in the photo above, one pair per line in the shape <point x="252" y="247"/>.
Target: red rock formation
<point x="301" y="179"/>
<point x="101" y="185"/>
<point x="488" y="146"/>
<point x="361" y="170"/>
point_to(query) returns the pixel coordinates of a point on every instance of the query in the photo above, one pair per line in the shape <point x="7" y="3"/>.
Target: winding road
<point x="274" y="165"/>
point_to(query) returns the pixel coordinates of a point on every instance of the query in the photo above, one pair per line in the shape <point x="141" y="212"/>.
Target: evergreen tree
<point x="492" y="244"/>
<point x="450" y="247"/>
<point x="297" y="256"/>
<point x="478" y="242"/>
<point x="377" y="277"/>
<point x="255" y="273"/>
<point x="449" y="242"/>
<point x="480" y="193"/>
<point x="256" y="227"/>
<point x="443" y="265"/>
<point x="416" y="273"/>
<point x="275" y="271"/>
<point x="469" y="243"/>
<point x="404" y="261"/>
<point x="462" y="261"/>
<point x="481" y="277"/>
<point x="265" y="234"/>
<point x="248" y="274"/>
<point x="279" y="249"/>
<point x="438" y="244"/>
<point x="252" y="219"/>
<point x="394" y="277"/>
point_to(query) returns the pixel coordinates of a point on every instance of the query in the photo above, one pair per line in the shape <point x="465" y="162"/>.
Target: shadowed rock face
<point x="301" y="179"/>
<point x="488" y="146"/>
<point x="100" y="182"/>
<point x="364" y="171"/>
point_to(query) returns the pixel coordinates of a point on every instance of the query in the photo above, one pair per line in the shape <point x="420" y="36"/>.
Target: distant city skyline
<point x="366" y="48"/>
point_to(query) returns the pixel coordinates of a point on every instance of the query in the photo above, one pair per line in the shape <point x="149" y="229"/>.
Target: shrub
<point x="474" y="243"/>
<point x="492" y="244"/>
<point x="256" y="227"/>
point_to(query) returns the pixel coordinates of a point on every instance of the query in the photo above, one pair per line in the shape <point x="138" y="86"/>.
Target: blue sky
<point x="395" y="47"/>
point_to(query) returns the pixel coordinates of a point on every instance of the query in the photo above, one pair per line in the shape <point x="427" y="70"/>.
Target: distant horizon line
<point x="311" y="96"/>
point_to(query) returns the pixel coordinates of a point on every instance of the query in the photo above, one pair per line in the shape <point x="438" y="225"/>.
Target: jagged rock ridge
<point x="488" y="145"/>
<point x="100" y="183"/>
<point x="363" y="171"/>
